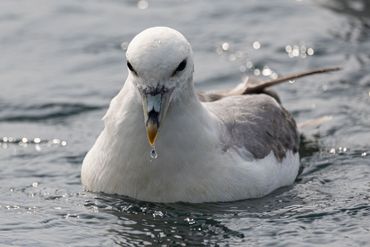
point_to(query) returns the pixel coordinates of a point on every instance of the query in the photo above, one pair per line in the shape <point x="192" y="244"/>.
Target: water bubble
<point x="299" y="50"/>
<point x="225" y="46"/>
<point x="142" y="4"/>
<point x="274" y="75"/>
<point x="266" y="71"/>
<point x="288" y="49"/>
<point x="158" y="213"/>
<point x="36" y="140"/>
<point x="153" y="153"/>
<point x="232" y="58"/>
<point x="190" y="221"/>
<point x="295" y="51"/>
<point x="242" y="68"/>
<point x="342" y="150"/>
<point x="310" y="51"/>
<point x="56" y="141"/>
<point x="256" y="45"/>
<point x="124" y="46"/>
<point x="257" y="72"/>
<point x="249" y="65"/>
<point x="303" y="49"/>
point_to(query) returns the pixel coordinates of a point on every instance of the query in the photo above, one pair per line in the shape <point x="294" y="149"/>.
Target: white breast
<point x="190" y="167"/>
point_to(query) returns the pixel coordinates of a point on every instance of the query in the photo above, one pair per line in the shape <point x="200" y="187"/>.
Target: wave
<point x="36" y="113"/>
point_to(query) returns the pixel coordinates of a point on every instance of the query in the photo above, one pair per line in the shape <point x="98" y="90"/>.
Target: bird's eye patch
<point x="131" y="68"/>
<point x="180" y="67"/>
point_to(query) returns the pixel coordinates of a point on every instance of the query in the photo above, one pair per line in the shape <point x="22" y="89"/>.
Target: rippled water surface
<point x="61" y="63"/>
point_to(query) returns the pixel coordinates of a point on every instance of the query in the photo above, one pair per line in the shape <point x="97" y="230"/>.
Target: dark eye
<point x="181" y="67"/>
<point x="130" y="67"/>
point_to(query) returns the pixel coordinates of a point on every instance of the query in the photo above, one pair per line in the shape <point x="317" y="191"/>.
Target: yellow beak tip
<point x="152" y="134"/>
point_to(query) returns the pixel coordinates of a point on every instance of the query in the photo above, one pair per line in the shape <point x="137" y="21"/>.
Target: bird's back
<point x="256" y="123"/>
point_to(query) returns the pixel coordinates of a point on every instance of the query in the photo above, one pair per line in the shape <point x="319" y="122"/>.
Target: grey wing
<point x="257" y="124"/>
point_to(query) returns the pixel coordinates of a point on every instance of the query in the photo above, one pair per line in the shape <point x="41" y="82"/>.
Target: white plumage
<point x="199" y="157"/>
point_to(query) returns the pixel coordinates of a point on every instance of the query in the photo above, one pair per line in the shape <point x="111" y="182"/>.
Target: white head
<point x="160" y="64"/>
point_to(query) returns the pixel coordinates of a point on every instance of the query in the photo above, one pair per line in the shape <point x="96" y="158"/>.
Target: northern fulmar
<point x="211" y="147"/>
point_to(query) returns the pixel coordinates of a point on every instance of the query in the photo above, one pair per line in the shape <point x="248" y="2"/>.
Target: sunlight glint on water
<point x="61" y="64"/>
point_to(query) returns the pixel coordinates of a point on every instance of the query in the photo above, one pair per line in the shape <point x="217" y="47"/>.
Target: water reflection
<point x="24" y="140"/>
<point x="172" y="224"/>
<point x="183" y="224"/>
<point x="50" y="84"/>
<point x="358" y="13"/>
<point x="356" y="8"/>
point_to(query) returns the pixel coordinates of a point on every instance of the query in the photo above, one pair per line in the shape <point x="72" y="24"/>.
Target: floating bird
<point x="164" y="142"/>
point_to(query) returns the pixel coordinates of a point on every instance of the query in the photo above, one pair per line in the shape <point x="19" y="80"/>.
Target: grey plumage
<point x="255" y="120"/>
<point x="256" y="123"/>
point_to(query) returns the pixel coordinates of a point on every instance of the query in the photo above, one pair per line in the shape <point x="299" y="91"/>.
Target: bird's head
<point x="160" y="65"/>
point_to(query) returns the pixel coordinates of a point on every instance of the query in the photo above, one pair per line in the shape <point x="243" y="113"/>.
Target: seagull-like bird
<point x="211" y="147"/>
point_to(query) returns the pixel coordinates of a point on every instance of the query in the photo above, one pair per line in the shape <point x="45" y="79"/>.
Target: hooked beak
<point x="155" y="105"/>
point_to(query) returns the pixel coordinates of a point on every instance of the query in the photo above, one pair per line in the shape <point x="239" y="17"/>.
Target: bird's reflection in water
<point x="139" y="222"/>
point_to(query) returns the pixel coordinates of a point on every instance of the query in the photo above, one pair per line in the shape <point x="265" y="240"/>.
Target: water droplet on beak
<point x="153" y="153"/>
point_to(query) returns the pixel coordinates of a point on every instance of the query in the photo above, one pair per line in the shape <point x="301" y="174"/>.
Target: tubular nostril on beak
<point x="155" y="105"/>
<point x="152" y="113"/>
<point x="154" y="102"/>
<point x="153" y="118"/>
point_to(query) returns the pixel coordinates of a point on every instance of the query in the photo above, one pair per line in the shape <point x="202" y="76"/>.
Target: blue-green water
<point x="61" y="63"/>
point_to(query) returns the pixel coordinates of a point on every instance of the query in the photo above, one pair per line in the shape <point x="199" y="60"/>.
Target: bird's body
<point x="237" y="147"/>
